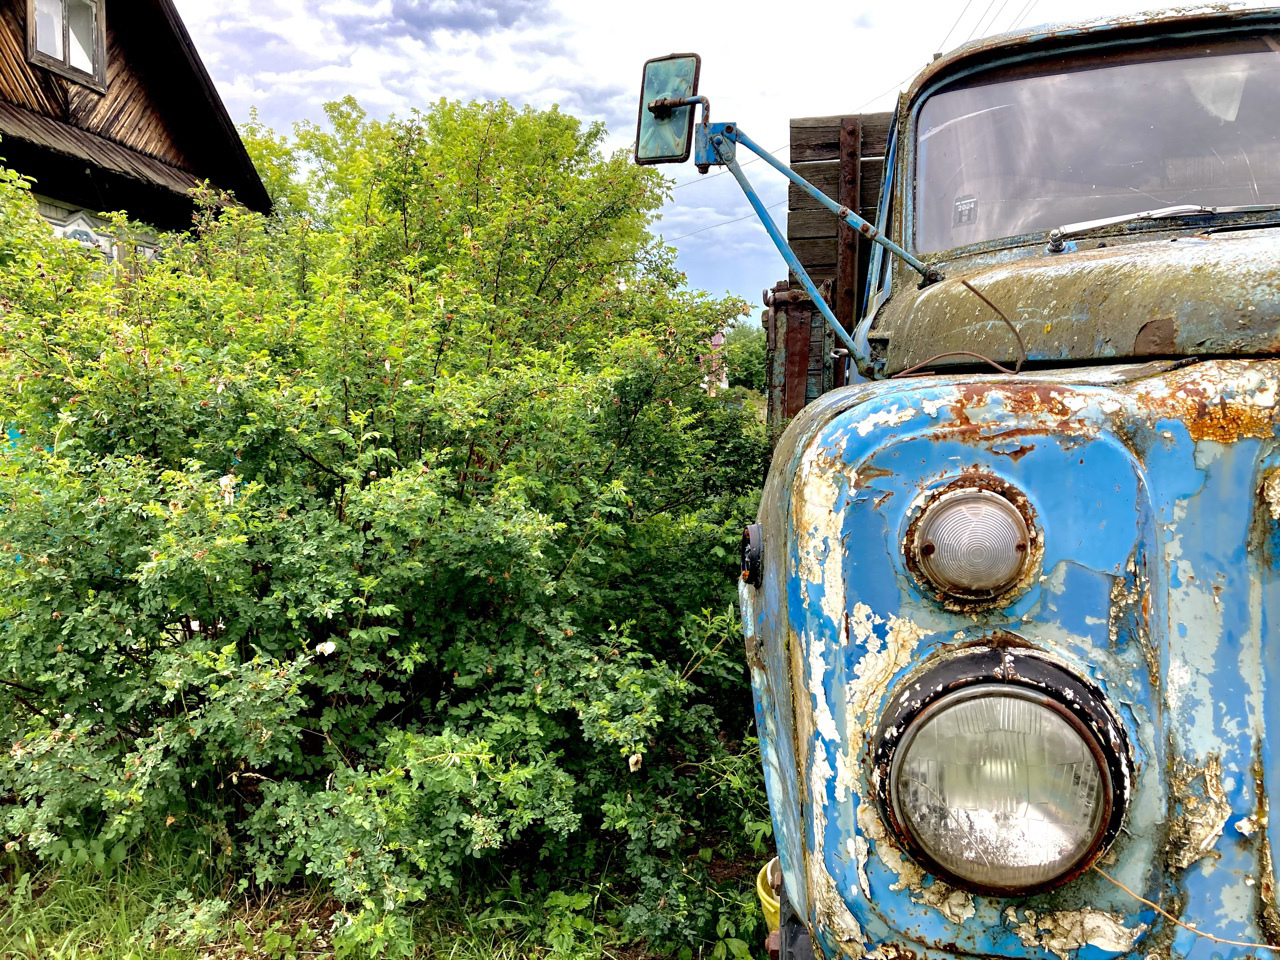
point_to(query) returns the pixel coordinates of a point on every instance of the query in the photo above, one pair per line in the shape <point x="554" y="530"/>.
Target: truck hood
<point x="1211" y="294"/>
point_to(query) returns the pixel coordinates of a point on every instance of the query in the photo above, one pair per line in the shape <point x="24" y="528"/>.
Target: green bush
<point x="744" y="350"/>
<point x="388" y="541"/>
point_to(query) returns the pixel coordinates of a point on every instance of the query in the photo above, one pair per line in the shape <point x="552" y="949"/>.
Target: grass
<point x="150" y="911"/>
<point x="56" y="915"/>
<point x="170" y="905"/>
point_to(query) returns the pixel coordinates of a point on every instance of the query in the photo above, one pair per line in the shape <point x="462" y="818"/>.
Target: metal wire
<point x="1022" y="347"/>
<point x="723" y="223"/>
<point x="942" y="47"/>
<point x="951" y="353"/>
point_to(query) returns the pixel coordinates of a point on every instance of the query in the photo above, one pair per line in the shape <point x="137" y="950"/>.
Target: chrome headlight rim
<point x="1017" y="671"/>
<point x="981" y="486"/>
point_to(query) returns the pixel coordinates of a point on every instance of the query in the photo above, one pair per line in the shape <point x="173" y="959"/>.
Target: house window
<point x="66" y="36"/>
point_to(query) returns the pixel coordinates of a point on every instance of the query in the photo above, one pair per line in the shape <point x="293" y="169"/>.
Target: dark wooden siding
<point x="126" y="114"/>
<point x="87" y="148"/>
<point x="816" y="151"/>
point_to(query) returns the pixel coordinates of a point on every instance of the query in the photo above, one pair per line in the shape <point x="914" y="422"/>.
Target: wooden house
<point x="106" y="106"/>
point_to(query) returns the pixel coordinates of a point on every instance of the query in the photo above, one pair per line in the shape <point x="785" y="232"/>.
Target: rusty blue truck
<point x="1012" y="605"/>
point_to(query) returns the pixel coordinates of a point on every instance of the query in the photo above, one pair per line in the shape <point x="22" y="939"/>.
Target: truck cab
<point x="1012" y="606"/>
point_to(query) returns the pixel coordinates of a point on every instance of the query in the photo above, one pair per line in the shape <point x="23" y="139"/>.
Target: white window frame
<point x="96" y="79"/>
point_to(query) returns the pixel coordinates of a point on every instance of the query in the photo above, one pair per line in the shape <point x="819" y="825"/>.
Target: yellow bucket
<point x="768" y="902"/>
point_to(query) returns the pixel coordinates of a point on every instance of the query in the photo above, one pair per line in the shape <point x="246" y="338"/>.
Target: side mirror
<point x="665" y="134"/>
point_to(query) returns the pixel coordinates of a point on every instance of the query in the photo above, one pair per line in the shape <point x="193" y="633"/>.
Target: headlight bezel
<point x="1027" y="673"/>
<point x="980" y="485"/>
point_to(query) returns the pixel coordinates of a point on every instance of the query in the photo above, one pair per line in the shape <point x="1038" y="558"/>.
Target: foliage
<point x="68" y="911"/>
<point x="387" y="543"/>
<point x="150" y="909"/>
<point x="744" y="347"/>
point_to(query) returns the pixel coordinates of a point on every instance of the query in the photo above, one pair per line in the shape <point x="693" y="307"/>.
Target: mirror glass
<point x="666" y="136"/>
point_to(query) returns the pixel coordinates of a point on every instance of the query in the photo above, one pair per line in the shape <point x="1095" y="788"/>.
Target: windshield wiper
<point x="1162" y="213"/>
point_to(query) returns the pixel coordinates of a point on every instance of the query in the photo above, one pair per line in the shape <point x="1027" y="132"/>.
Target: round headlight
<point x="971" y="542"/>
<point x="1006" y="778"/>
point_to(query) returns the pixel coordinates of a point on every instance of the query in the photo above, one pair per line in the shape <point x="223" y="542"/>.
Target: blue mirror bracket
<point x="715" y="145"/>
<point x="726" y="151"/>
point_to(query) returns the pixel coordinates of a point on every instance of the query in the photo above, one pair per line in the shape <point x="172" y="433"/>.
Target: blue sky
<point x="286" y="59"/>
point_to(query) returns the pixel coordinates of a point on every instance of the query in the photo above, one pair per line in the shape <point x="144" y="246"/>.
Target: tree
<point x="376" y="540"/>
<point x="744" y="347"/>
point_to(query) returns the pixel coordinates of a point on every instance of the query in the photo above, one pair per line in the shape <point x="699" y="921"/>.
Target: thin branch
<point x="21" y="686"/>
<point x="33" y="708"/>
<point x="323" y="466"/>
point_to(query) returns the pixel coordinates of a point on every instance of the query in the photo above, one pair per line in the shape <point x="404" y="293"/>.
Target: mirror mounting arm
<point x="715" y="145"/>
<point x="662" y="107"/>
<point x="732" y="132"/>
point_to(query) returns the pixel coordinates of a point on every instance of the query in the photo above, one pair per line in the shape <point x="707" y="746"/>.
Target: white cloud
<point x="761" y="66"/>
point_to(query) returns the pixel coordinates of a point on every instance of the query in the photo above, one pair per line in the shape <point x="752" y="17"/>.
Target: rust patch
<point x="1205" y="811"/>
<point x="1131" y="605"/>
<point x="982" y="432"/>
<point x="1038" y="398"/>
<point x="1158" y="336"/>
<point x="1264" y="531"/>
<point x="892" y="951"/>
<point x="1226" y="425"/>
<point x="1218" y="401"/>
<point x="1270" y="490"/>
<point x="1268" y="916"/>
<point x="871" y="472"/>
<point x="1065" y="931"/>
<point x="1041" y="399"/>
<point x="1024" y="401"/>
<point x="1015" y="455"/>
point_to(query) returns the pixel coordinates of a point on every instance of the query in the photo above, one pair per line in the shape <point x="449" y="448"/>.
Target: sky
<point x="286" y="58"/>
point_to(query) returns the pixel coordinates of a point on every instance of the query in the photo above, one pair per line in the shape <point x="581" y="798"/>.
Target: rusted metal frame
<point x="778" y="302"/>
<point x="795" y="386"/>
<point x="674" y="103"/>
<point x="929" y="274"/>
<point x="798" y="345"/>
<point x="722" y="148"/>
<point x="818" y="377"/>
<point x="848" y="247"/>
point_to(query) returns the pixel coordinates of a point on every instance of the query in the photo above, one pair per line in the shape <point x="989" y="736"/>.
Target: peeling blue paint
<point x="1152" y="582"/>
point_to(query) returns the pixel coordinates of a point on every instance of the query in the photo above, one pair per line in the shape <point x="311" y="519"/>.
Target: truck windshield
<point x="1021" y="151"/>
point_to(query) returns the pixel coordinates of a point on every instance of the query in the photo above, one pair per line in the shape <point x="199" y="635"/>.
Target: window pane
<point x="82" y="45"/>
<point x="49" y="27"/>
<point x="1200" y="125"/>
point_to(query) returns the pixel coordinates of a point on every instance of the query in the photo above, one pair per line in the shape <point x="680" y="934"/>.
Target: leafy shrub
<point x="744" y="349"/>
<point x="375" y="541"/>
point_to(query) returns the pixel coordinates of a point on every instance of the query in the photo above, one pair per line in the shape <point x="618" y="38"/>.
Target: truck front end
<point x="1012" y="604"/>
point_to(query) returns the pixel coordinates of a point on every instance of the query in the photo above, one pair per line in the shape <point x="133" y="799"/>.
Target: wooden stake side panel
<point x="844" y="158"/>
<point x="816" y="156"/>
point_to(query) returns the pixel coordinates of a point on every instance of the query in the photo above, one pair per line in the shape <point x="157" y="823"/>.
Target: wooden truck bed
<point x="844" y="158"/>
